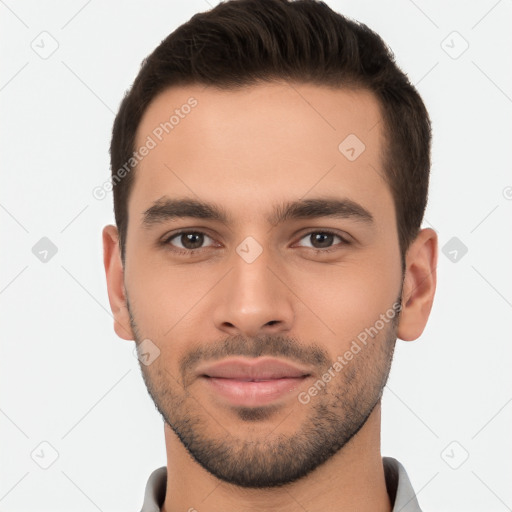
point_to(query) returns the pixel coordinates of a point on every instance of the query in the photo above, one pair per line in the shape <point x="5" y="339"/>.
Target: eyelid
<point x="166" y="241"/>
<point x="345" y="239"/>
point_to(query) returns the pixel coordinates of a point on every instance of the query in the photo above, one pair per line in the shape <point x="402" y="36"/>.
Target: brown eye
<point x="322" y="240"/>
<point x="189" y="240"/>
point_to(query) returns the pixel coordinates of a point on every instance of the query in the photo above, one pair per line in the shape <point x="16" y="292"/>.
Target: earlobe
<point x="115" y="282"/>
<point x="419" y="285"/>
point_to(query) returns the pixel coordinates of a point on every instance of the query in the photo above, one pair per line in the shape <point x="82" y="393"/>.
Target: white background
<point x="67" y="380"/>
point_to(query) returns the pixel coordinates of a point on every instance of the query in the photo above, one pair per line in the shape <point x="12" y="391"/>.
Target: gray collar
<point x="398" y="485"/>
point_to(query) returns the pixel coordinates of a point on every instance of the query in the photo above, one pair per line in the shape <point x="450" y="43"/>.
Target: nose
<point x="253" y="301"/>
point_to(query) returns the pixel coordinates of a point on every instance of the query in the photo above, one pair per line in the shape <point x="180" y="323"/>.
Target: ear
<point x="115" y="282"/>
<point x="419" y="285"/>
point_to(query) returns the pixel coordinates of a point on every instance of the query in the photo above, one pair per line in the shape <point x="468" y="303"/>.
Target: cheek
<point x="164" y="298"/>
<point x="344" y="299"/>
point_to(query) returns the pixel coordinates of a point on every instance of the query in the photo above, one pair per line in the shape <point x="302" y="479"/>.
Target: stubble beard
<point x="332" y="419"/>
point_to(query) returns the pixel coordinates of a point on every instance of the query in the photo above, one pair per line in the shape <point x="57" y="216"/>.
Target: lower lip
<point x="252" y="393"/>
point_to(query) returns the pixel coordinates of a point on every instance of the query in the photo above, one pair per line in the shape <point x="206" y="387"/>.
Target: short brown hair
<point x="244" y="42"/>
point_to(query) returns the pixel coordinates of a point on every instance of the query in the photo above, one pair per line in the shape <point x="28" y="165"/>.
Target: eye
<point x="189" y="240"/>
<point x="322" y="240"/>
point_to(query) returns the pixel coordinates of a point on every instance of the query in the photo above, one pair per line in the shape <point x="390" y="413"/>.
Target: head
<point x="274" y="212"/>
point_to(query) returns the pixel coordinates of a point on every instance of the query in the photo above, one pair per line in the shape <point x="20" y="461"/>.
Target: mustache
<point x="266" y="345"/>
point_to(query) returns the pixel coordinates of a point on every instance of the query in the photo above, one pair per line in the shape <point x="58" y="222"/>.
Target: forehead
<point x="254" y="144"/>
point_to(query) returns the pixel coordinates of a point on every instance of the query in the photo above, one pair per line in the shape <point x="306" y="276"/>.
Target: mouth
<point x="252" y="383"/>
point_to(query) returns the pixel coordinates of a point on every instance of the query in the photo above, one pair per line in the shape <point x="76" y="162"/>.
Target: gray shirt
<point x="398" y="485"/>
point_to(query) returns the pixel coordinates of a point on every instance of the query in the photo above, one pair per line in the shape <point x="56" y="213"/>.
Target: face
<point x="263" y="263"/>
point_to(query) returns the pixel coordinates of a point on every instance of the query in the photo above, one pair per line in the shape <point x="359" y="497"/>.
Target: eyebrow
<point x="165" y="209"/>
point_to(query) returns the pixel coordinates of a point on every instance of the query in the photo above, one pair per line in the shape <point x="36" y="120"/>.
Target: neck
<point x="352" y="479"/>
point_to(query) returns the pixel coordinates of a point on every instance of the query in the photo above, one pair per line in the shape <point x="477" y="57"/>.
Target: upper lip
<point x="252" y="369"/>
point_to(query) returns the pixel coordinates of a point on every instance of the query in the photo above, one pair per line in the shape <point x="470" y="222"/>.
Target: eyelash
<point x="192" y="252"/>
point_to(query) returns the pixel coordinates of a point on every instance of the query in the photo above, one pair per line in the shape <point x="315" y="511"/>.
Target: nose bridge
<point x="252" y="299"/>
<point x="252" y="280"/>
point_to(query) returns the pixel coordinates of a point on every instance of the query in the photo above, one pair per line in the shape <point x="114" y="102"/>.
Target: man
<point x="270" y="171"/>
